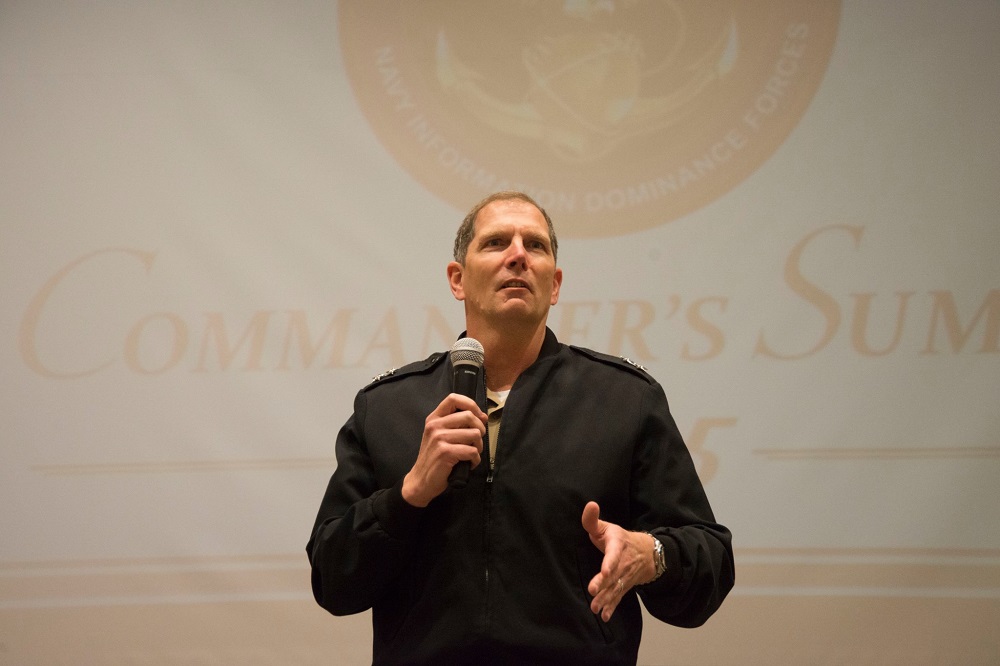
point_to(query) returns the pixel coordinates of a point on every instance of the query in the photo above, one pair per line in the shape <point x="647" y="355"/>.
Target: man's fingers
<point x="607" y="577"/>
<point x="466" y="450"/>
<point x="607" y="593"/>
<point x="445" y="426"/>
<point x="456" y="402"/>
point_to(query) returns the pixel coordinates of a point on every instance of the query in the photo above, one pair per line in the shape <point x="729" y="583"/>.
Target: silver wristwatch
<point x="659" y="558"/>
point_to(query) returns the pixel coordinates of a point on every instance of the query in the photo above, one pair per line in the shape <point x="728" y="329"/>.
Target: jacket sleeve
<point x="670" y="503"/>
<point x="361" y="534"/>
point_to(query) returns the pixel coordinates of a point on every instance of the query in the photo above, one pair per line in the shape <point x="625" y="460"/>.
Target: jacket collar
<point x="550" y="345"/>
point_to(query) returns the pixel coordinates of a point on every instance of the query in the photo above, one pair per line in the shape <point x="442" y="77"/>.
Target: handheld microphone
<point x="467" y="365"/>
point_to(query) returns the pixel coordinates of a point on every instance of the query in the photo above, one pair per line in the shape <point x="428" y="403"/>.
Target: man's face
<point x="510" y="273"/>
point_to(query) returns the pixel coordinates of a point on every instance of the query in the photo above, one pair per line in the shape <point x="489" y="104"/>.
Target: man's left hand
<point x="628" y="561"/>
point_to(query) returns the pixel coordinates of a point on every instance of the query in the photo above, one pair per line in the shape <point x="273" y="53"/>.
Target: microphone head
<point x="468" y="351"/>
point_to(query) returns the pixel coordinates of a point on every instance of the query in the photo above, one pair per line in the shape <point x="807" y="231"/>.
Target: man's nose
<point x="516" y="254"/>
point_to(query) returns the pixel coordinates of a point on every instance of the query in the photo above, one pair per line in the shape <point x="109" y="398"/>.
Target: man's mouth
<point x="515" y="284"/>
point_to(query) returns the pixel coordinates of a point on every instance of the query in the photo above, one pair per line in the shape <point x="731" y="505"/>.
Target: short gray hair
<point x="468" y="227"/>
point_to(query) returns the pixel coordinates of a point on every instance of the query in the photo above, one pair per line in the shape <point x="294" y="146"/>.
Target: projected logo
<point x="616" y="116"/>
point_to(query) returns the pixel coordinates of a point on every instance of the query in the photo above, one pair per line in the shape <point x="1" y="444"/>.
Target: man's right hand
<point x="452" y="432"/>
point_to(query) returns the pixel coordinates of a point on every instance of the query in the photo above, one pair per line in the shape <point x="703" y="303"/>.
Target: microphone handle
<point x="465" y="382"/>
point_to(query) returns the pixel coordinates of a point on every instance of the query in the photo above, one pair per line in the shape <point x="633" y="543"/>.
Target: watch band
<point x="659" y="558"/>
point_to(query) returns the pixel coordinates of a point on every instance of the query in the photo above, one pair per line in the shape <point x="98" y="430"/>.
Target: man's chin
<point x="520" y="311"/>
<point x="516" y="304"/>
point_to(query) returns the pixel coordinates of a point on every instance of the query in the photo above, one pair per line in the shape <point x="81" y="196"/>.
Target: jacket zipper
<point x="487" y="509"/>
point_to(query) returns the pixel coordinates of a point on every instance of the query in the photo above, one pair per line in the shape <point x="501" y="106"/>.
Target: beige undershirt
<point x="494" y="410"/>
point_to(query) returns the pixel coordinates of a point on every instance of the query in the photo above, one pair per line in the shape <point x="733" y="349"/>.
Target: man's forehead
<point x="510" y="212"/>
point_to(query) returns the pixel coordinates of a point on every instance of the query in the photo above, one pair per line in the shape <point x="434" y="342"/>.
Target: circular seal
<point x="615" y="115"/>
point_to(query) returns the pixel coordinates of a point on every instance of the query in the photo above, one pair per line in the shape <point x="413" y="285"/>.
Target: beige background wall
<point x="218" y="220"/>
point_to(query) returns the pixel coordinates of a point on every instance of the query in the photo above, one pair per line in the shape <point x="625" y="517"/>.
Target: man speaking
<point x="519" y="521"/>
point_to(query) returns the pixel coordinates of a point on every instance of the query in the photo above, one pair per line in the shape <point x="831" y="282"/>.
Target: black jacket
<point x="497" y="572"/>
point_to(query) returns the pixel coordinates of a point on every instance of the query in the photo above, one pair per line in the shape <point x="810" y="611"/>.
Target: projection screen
<point x="221" y="219"/>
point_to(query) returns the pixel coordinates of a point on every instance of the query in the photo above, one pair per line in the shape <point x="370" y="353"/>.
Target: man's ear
<point x="556" y="285"/>
<point x="455" y="273"/>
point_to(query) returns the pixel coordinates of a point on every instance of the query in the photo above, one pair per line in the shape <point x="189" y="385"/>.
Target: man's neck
<point x="508" y="353"/>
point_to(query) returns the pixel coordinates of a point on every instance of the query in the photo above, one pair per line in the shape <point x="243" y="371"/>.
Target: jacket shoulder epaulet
<point x="621" y="362"/>
<point x="415" y="368"/>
